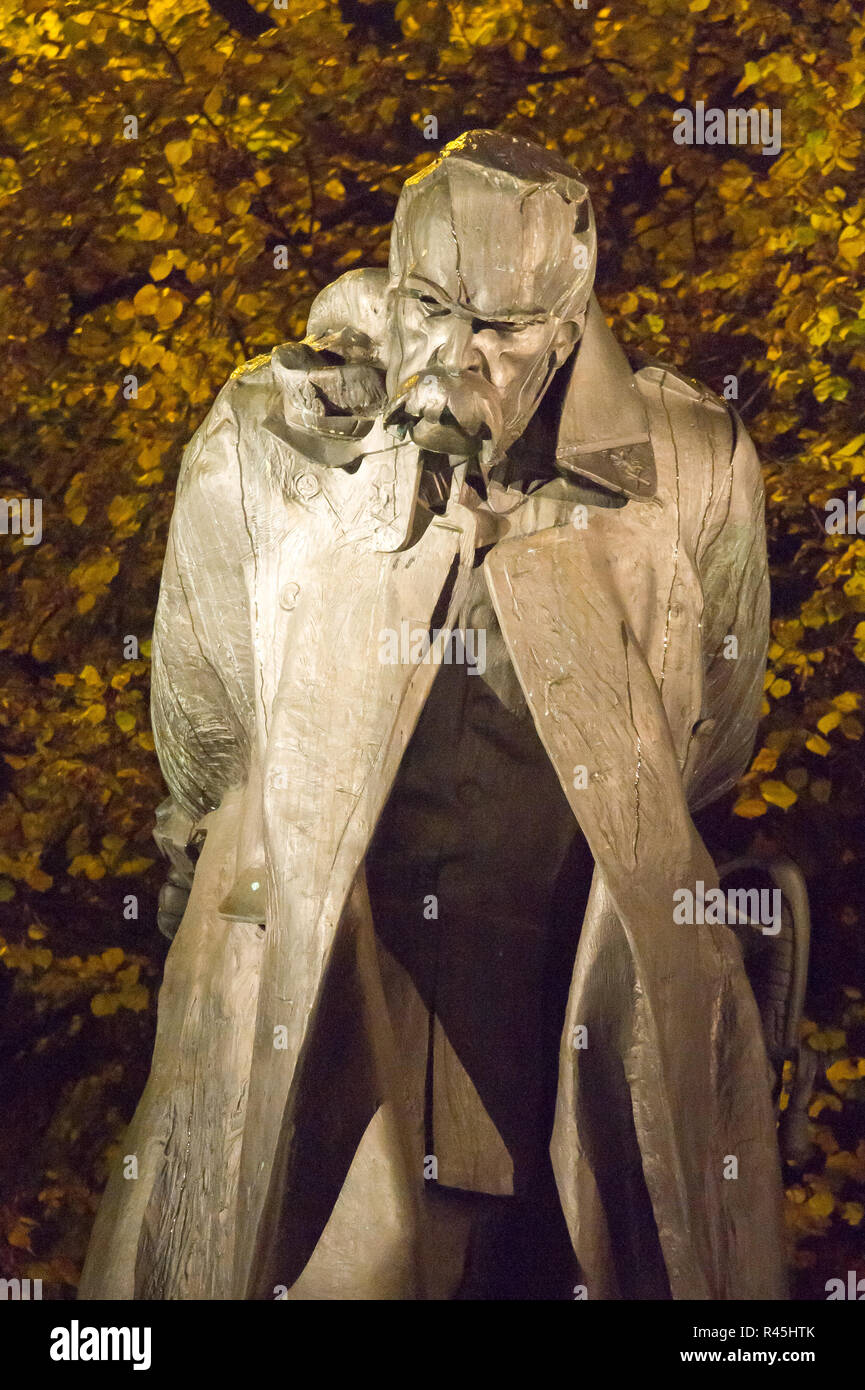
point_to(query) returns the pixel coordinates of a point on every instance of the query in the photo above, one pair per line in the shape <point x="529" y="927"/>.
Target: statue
<point x="442" y="668"/>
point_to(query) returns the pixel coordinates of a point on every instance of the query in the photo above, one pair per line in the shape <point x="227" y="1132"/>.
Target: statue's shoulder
<point x="249" y="389"/>
<point x="689" y="410"/>
<point x="211" y="456"/>
<point x="685" y="404"/>
<point x="662" y="377"/>
<point x="253" y="365"/>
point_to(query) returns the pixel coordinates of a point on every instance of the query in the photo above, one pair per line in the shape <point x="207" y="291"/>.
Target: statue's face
<point x="475" y="341"/>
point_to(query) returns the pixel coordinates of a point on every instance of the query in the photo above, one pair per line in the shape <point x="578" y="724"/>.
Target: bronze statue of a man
<point x="442" y="670"/>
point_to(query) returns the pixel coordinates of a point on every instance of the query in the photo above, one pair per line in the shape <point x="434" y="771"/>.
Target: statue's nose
<point x="457" y="350"/>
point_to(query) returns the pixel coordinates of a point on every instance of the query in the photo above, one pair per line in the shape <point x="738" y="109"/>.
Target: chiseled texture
<point x="276" y="720"/>
<point x="618" y="638"/>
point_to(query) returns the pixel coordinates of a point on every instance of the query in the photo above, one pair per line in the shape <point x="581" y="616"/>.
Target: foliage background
<point x="297" y="126"/>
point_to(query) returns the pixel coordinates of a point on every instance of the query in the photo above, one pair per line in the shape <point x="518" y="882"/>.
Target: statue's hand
<point x="321" y="392"/>
<point x="173" y="897"/>
<point x="180" y="843"/>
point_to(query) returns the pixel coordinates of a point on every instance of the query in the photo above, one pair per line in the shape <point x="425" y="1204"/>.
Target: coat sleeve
<point x="202" y="679"/>
<point x="733" y="569"/>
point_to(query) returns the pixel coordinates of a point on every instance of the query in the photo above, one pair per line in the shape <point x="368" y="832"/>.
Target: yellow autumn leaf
<point x="201" y="221"/>
<point x="170" y="307"/>
<point x="843" y="1070"/>
<point x="92" y="576"/>
<point x="827" y="1040"/>
<point x="850" y="699"/>
<point x="121" y="510"/>
<point x="765" y="761"/>
<point x="103" y="1004"/>
<point x="178" y="152"/>
<point x="160" y="266"/>
<point x="821" y="1102"/>
<point x="125" y="720"/>
<point x="778" y="794"/>
<point x="788" y="71"/>
<point x="146" y="300"/>
<point x="821" y="1204"/>
<point x="851" y="1164"/>
<point x="88" y="864"/>
<point x="749" y="77"/>
<point x="816" y="744"/>
<point x="749" y="807"/>
<point x="136" y="998"/>
<point x="150" y="226"/>
<point x="829" y="721"/>
<point x="138" y="865"/>
<point x="237" y="201"/>
<point x="19" y="1236"/>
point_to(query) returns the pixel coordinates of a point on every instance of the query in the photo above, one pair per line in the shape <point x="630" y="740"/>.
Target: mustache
<point x="450" y="412"/>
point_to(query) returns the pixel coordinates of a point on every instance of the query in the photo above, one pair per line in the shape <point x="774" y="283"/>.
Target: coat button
<point x="288" y="597"/>
<point x="306" y="485"/>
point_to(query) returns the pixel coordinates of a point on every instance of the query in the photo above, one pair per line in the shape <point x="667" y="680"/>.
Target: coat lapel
<point x="604" y="429"/>
<point x="340" y="722"/>
<point x="576" y="643"/>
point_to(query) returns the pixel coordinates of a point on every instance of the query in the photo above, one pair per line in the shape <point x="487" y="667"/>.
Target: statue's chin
<point x="443" y="439"/>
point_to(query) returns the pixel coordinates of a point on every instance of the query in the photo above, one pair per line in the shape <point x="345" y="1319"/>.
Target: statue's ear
<point x="567" y="336"/>
<point x="348" y="318"/>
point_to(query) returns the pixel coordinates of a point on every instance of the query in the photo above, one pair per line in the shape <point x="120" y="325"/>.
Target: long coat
<point x="280" y="1063"/>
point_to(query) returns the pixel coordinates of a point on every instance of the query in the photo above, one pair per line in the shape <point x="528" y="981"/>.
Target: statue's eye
<point x="490" y="326"/>
<point x="431" y="307"/>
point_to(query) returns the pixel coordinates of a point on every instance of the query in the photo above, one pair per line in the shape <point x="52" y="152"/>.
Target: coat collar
<point x="604" y="429"/>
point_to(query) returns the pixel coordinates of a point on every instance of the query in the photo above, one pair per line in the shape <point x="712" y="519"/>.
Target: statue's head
<point x="492" y="260"/>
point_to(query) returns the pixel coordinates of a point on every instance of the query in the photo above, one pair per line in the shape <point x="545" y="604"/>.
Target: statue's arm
<point x="201" y="694"/>
<point x="201" y="708"/>
<point x="731" y="558"/>
<point x="202" y="702"/>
